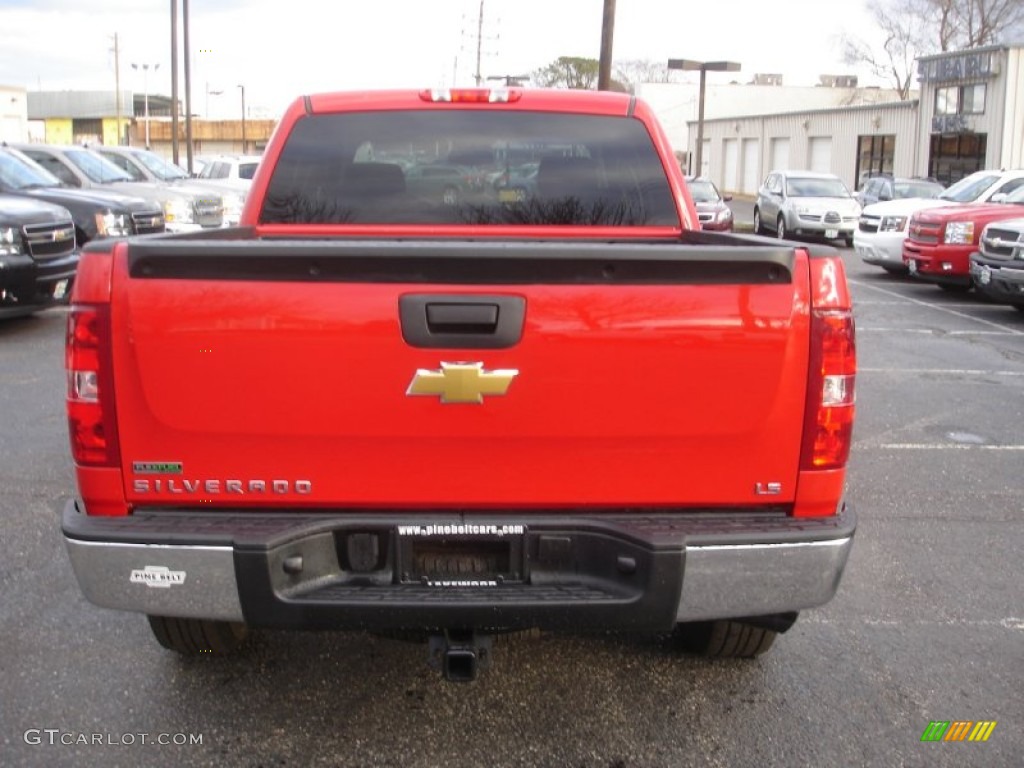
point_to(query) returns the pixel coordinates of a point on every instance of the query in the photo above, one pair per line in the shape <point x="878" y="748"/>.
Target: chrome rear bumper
<point x="586" y="571"/>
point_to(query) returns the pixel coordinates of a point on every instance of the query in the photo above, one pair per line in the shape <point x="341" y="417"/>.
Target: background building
<point x="76" y="117"/>
<point x="676" y="104"/>
<point x="13" y="114"/>
<point x="969" y="115"/>
<point x="972" y="111"/>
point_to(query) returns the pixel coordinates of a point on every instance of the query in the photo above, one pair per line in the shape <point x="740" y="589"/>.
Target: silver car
<point x="807" y="204"/>
<point x="80" y="167"/>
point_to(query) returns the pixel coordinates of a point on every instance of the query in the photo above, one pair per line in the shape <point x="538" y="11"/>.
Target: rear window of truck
<point x="469" y="167"/>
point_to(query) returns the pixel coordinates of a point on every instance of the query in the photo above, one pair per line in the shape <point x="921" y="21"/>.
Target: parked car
<point x="146" y="165"/>
<point x="997" y="268"/>
<point x="883" y="226"/>
<point x="712" y="210"/>
<point x="447" y="184"/>
<point x="97" y="213"/>
<point x="83" y="168"/>
<point x="515" y="183"/>
<point x="235" y="168"/>
<point x="877" y="189"/>
<point x="940" y="242"/>
<point x="38" y="255"/>
<point x="808" y="204"/>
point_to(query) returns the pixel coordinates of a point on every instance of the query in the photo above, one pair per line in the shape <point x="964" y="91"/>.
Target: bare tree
<point x="912" y="28"/>
<point x="894" y="59"/>
<point x="633" y="72"/>
<point x="985" y="21"/>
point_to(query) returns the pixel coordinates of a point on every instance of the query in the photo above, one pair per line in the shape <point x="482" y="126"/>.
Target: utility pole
<point x="174" y="81"/>
<point x="479" y="43"/>
<point x="117" y="86"/>
<point x="604" y="69"/>
<point x="188" y="88"/>
<point x="243" y="118"/>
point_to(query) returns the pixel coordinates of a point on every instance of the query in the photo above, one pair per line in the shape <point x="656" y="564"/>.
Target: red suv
<point x="940" y="240"/>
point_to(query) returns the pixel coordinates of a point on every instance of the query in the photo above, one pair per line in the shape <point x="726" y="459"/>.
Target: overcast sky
<point x="279" y="49"/>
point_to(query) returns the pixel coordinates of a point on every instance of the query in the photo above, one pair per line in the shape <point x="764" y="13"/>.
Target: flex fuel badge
<point x="157" y="467"/>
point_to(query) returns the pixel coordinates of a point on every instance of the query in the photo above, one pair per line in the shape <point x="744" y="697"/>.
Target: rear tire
<point x="191" y="637"/>
<point x="723" y="639"/>
<point x="758" y="226"/>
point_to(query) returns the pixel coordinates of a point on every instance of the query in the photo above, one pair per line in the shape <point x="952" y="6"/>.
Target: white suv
<point x="883" y="226"/>
<point x="234" y="168"/>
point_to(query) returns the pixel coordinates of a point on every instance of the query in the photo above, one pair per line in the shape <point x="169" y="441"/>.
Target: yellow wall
<point x="110" y="134"/>
<point x="58" y="131"/>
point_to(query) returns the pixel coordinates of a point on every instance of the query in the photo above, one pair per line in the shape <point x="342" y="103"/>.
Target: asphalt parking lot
<point x="928" y="624"/>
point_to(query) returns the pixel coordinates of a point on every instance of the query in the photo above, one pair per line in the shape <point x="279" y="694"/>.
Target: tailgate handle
<point x="462" y="318"/>
<point x="461" y="321"/>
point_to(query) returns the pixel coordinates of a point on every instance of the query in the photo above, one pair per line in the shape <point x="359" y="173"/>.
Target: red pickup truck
<point x="379" y="408"/>
<point x="940" y="240"/>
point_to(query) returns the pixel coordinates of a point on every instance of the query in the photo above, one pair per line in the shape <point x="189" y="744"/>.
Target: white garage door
<point x="780" y="154"/>
<point x="731" y="167"/>
<point x="820" y="149"/>
<point x="751" y="176"/>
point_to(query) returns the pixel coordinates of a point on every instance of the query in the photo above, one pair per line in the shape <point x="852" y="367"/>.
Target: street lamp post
<point x="703" y="67"/>
<point x="243" y="118"/>
<point x="145" y="88"/>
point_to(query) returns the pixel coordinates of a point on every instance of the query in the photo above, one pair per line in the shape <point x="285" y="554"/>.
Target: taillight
<point x="87" y="360"/>
<point x="828" y="425"/>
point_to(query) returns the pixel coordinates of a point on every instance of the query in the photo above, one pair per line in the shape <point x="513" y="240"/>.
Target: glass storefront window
<point x="875" y="155"/>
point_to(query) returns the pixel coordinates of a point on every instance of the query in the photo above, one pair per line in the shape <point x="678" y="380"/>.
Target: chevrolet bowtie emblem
<point x="461" y="382"/>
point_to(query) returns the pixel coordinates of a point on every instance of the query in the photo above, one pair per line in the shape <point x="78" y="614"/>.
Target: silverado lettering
<point x="183" y="485"/>
<point x="521" y="387"/>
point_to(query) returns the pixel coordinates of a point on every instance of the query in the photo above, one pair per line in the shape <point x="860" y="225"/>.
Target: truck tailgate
<point x="260" y="373"/>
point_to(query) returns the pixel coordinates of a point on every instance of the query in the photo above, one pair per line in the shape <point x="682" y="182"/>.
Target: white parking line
<point x="936" y="331"/>
<point x="1010" y="622"/>
<point x="941" y="447"/>
<point x="1003" y="328"/>
<point x="941" y="371"/>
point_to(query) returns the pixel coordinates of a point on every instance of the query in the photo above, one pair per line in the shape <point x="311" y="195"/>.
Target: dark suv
<point x="38" y="255"/>
<point x="97" y="213"/>
<point x="878" y="189"/>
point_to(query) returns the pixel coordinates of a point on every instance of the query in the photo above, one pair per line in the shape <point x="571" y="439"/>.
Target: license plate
<point x="60" y="290"/>
<point x="912" y="266"/>
<point x="831" y="234"/>
<point x="461" y="554"/>
<point x="511" y="195"/>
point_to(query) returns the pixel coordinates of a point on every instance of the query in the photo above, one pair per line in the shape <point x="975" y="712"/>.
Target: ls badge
<point x="461" y="382"/>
